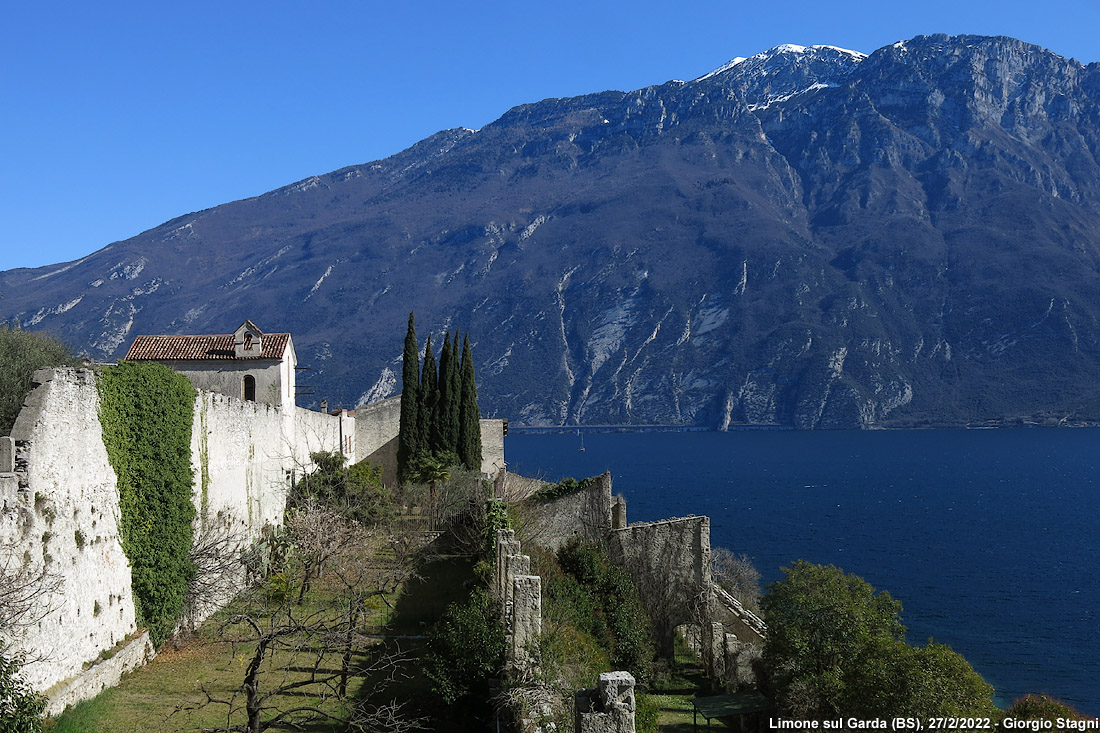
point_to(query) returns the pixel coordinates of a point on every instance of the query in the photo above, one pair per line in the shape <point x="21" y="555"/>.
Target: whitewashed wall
<point x="65" y="485"/>
<point x="58" y="482"/>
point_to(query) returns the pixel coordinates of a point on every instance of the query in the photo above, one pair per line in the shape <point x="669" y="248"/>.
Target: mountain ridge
<point x="819" y="238"/>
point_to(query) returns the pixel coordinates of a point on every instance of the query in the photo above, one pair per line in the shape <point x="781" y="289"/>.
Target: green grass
<point x="168" y="693"/>
<point x="681" y="681"/>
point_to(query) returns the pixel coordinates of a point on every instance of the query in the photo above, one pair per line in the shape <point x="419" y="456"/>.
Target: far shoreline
<point x="734" y="428"/>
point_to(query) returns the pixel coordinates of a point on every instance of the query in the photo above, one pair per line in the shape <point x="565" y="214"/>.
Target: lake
<point x="985" y="536"/>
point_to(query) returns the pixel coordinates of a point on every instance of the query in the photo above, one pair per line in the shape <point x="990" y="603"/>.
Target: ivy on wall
<point x="146" y="412"/>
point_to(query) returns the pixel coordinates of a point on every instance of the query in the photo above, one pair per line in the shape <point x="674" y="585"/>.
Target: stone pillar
<point x="507" y="544"/>
<point x="526" y="621"/>
<point x="618" y="513"/>
<point x="515" y="566"/>
<point x="716" y="654"/>
<point x="609" y="708"/>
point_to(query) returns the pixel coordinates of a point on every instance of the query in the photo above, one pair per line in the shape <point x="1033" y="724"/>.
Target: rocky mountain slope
<point x="808" y="237"/>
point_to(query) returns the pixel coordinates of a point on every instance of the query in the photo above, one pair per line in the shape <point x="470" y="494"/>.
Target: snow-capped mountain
<point x="808" y="236"/>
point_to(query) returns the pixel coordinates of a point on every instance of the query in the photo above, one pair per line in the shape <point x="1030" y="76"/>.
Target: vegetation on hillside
<point x="440" y="419"/>
<point x="21" y="353"/>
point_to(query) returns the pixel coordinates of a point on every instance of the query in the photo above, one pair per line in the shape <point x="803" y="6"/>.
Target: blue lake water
<point x="987" y="537"/>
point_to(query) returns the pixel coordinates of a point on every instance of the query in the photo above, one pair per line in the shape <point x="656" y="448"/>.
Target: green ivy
<point x="146" y="411"/>
<point x="496" y="518"/>
<point x="565" y="487"/>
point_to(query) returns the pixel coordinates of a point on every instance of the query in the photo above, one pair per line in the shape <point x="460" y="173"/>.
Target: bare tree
<point x="318" y="532"/>
<point x="303" y="653"/>
<point x="737" y="575"/>
<point x="27" y="593"/>
<point x="218" y="554"/>
<point x="290" y="680"/>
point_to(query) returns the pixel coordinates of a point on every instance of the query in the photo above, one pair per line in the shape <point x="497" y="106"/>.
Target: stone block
<point x="617" y="691"/>
<point x="514" y="567"/>
<point x="7" y="454"/>
<point x="609" y="708"/>
<point x="526" y="620"/>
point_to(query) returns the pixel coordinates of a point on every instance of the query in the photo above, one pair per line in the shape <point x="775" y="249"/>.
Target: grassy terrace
<point x="170" y="693"/>
<point x="674" y="688"/>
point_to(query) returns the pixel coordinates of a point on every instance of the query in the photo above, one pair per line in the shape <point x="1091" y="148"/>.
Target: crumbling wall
<point x="59" y="510"/>
<point x="670" y="563"/>
<point x="585" y="516"/>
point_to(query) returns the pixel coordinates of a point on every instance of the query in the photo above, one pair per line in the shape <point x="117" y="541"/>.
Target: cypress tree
<point x="470" y="416"/>
<point x="429" y="400"/>
<point x="408" y="439"/>
<point x="449" y="395"/>
<point x="441" y="406"/>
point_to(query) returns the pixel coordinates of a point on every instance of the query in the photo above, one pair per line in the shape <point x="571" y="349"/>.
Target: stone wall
<point x="670" y="563"/>
<point x="585" y="516"/>
<point x="63" y="517"/>
<point x="59" y="508"/>
<point x="377" y="425"/>
<point x="376" y="428"/>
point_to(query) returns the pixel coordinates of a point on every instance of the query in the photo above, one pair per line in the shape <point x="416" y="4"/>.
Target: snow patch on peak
<point x="724" y="67"/>
<point x="859" y="55"/>
<point x="781" y="49"/>
<point x="383" y="388"/>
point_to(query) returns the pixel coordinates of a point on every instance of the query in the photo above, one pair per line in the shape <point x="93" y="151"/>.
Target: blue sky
<point x="121" y="115"/>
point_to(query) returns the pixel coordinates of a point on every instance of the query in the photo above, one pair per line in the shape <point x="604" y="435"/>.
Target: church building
<point x="248" y="363"/>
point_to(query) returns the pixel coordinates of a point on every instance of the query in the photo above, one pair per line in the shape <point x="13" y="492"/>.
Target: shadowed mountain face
<point x="809" y="237"/>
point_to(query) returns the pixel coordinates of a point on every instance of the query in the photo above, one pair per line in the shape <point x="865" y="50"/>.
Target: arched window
<point x="249" y="388"/>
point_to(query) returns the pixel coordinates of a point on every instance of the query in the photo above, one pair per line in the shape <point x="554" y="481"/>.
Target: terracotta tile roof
<point x="218" y="346"/>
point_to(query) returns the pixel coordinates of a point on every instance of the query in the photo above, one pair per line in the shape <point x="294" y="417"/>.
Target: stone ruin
<point x="520" y="597"/>
<point x="609" y="708"/>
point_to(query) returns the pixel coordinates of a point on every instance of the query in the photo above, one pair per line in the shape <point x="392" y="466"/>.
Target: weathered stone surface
<point x="526" y="620"/>
<point x="584" y="515"/>
<point x="609" y="708"/>
<point x="7" y="454"/>
<point x="670" y="563"/>
<point x="515" y="566"/>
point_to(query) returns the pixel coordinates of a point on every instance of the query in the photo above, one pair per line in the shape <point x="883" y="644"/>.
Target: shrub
<point x="604" y="602"/>
<point x="21" y="353"/>
<point x="465" y="649"/>
<point x="647" y="713"/>
<point x="565" y="487"/>
<point x="355" y="491"/>
<point x="1042" y="707"/>
<point x="20" y="707"/>
<point x="836" y="648"/>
